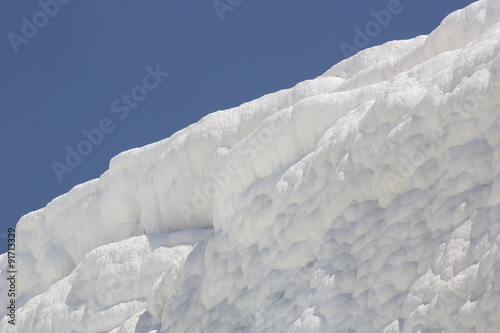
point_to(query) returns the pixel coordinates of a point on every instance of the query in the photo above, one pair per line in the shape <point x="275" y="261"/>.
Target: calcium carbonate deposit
<point x="365" y="200"/>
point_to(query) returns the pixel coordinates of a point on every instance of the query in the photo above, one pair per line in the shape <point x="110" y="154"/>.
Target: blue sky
<point x="78" y="66"/>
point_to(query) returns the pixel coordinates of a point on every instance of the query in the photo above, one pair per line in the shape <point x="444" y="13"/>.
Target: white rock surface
<point x="365" y="200"/>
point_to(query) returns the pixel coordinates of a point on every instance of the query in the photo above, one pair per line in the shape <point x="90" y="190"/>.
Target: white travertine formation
<point x="365" y="200"/>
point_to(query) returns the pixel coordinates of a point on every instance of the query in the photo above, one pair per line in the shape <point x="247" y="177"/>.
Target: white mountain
<point x="365" y="200"/>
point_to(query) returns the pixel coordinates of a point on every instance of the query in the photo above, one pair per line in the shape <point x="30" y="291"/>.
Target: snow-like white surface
<point x="113" y="283"/>
<point x="365" y="200"/>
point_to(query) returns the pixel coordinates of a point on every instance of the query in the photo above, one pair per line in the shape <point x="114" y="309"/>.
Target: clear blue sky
<point x="65" y="77"/>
